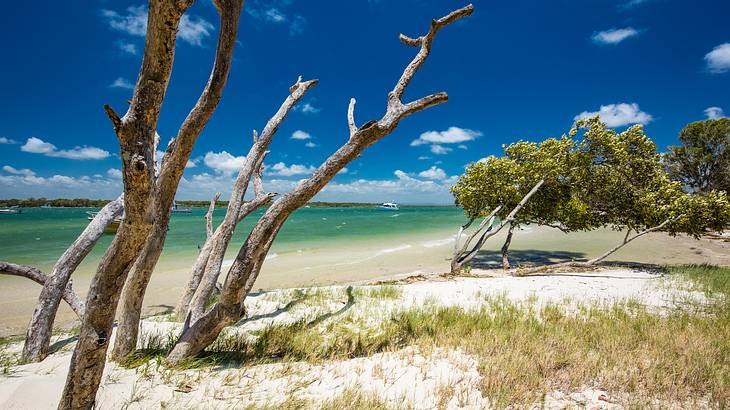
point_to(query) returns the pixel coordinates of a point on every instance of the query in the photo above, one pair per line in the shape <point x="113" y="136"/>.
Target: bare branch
<point x="40" y="278"/>
<point x="113" y="116"/>
<point x="209" y="215"/>
<point x="351" y="117"/>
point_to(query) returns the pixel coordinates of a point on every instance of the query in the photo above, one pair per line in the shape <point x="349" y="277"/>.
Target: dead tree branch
<point x="34" y="274"/>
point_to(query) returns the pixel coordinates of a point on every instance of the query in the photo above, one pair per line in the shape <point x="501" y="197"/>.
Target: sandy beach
<point x="410" y="377"/>
<point x="337" y="263"/>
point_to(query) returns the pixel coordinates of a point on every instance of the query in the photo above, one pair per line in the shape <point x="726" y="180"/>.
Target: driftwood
<point x="247" y="265"/>
<point x="147" y="199"/>
<point x="465" y="253"/>
<point x="34" y="274"/>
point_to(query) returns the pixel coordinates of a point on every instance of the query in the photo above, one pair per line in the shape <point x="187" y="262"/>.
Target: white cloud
<point x="282" y="169"/>
<point x="274" y="15"/>
<point x="38" y="146"/>
<point x="424" y="157"/>
<point x="718" y="60"/>
<point x="440" y="149"/>
<point x="128" y="48"/>
<point x="223" y="162"/>
<point x="133" y="23"/>
<point x="434" y="173"/>
<point x="191" y="163"/>
<point x="343" y="171"/>
<point x="614" y="35"/>
<point x="310" y="144"/>
<point x="58" y="186"/>
<point x="462" y="146"/>
<point x="121" y="82"/>
<point x="15" y="171"/>
<point x="714" y="113"/>
<point x="193" y="29"/>
<point x="618" y="115"/>
<point x="5" y="140"/>
<point x="114" y="173"/>
<point x="453" y="135"/>
<point x="307" y="108"/>
<point x="277" y="16"/>
<point x="301" y="135"/>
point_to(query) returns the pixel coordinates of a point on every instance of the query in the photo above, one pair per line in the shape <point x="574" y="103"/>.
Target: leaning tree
<point x="626" y="188"/>
<point x="229" y="308"/>
<point x="531" y="183"/>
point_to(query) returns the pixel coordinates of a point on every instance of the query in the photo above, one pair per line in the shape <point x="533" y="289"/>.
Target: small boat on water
<point x="177" y="209"/>
<point x="113" y="225"/>
<point x="11" y="210"/>
<point x="391" y="206"/>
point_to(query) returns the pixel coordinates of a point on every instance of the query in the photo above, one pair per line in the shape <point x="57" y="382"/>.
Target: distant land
<point x="98" y="203"/>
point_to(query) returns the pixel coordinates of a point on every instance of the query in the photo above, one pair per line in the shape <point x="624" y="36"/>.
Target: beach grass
<point x="524" y="351"/>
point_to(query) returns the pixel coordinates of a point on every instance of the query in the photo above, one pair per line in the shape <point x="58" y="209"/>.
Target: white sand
<point x="408" y="377"/>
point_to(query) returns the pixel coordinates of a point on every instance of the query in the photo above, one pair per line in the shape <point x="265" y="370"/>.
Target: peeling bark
<point x="486" y="229"/>
<point x="247" y="265"/>
<point x="34" y="274"/>
<point x="40" y="329"/>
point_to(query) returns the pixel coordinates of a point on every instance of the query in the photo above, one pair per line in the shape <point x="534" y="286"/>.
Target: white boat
<point x="391" y="206"/>
<point x="11" y="210"/>
<point x="113" y="225"/>
<point x="177" y="209"/>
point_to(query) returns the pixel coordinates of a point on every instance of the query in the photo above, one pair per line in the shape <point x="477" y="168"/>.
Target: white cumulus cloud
<point x="223" y="162"/>
<point x="114" y="173"/>
<point x="15" y="171"/>
<point x="618" y="115"/>
<point x="453" y="135"/>
<point x="614" y="35"/>
<point x="434" y="173"/>
<point x="6" y="140"/>
<point x="714" y="113"/>
<point x="301" y="135"/>
<point x="440" y="149"/>
<point x="718" y="60"/>
<point x="38" y="146"/>
<point x="282" y="169"/>
<point x="307" y="108"/>
<point x="128" y="48"/>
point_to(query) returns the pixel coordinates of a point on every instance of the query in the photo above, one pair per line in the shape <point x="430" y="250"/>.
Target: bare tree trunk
<point x="247" y="265"/>
<point x="34" y="274"/>
<point x="465" y="255"/>
<point x="199" y="266"/>
<point x="237" y="210"/>
<point x="38" y="335"/>
<point x="145" y="200"/>
<point x="505" y="247"/>
<point x="173" y="165"/>
<point x="592" y="262"/>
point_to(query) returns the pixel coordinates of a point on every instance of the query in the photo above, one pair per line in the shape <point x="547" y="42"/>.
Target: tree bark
<point x="173" y="165"/>
<point x="237" y="209"/>
<point x="34" y="274"/>
<point x="136" y="135"/>
<point x="247" y="265"/>
<point x="505" y="247"/>
<point x="40" y="329"/>
<point x="197" y="272"/>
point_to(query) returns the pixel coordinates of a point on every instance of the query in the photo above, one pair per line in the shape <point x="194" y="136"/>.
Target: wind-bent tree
<point x="531" y="183"/>
<point x="57" y="284"/>
<point x="245" y="269"/>
<point x="702" y="162"/>
<point x="147" y="197"/>
<point x="625" y="188"/>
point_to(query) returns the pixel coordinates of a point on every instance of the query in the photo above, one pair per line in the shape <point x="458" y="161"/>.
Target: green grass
<point x="380" y="292"/>
<point x="525" y="352"/>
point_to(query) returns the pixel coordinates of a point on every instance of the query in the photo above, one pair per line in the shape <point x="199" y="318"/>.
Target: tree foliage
<point x="702" y="162"/>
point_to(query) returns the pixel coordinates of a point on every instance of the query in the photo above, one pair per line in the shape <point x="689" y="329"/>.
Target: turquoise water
<point x="38" y="236"/>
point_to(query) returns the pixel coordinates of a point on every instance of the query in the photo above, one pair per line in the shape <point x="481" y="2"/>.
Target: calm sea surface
<point x="38" y="236"/>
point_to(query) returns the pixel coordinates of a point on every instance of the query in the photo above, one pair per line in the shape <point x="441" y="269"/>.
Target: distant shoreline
<point x="98" y="203"/>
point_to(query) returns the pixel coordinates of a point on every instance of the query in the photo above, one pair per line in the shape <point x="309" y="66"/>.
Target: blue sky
<point x="513" y="70"/>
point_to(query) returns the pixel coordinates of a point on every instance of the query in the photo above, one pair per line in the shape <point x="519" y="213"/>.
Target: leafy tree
<point x="702" y="162"/>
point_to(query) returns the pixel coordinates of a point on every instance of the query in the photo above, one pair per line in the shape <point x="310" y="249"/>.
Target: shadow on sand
<point x="490" y="259"/>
